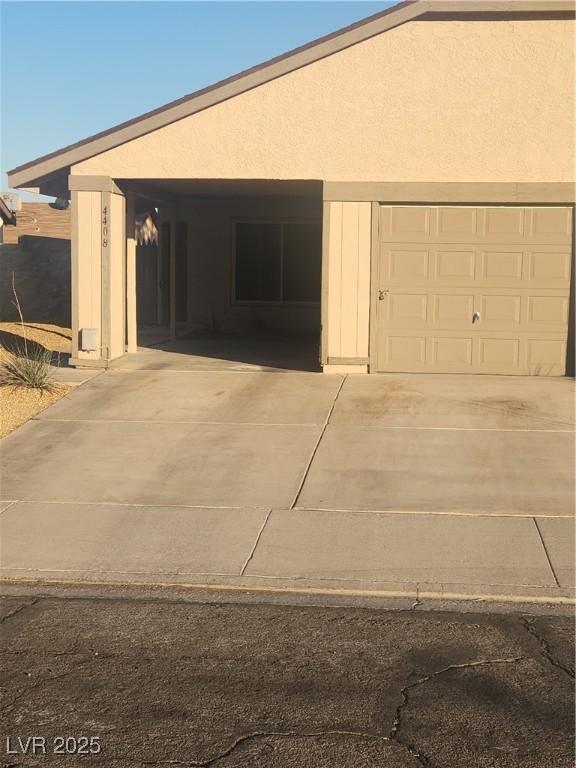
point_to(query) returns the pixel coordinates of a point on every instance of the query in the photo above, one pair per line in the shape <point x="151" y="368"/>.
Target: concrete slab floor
<point x="228" y="352"/>
<point x="263" y="398"/>
<point x="450" y="471"/>
<point x="422" y="548"/>
<point x="450" y="401"/>
<point x="559" y="539"/>
<point x="156" y="463"/>
<point x="89" y="539"/>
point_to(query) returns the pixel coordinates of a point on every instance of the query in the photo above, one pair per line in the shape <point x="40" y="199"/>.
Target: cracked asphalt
<point x="173" y="682"/>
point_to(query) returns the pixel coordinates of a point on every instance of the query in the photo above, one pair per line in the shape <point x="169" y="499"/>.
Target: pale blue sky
<point x="71" y="69"/>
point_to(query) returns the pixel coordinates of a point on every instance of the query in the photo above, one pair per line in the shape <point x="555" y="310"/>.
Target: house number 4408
<point x="105" y="226"/>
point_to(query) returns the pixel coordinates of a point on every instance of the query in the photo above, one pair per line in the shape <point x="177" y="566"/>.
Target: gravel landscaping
<point x="18" y="404"/>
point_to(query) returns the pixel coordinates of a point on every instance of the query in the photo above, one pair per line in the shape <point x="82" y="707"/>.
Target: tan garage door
<point x="465" y="289"/>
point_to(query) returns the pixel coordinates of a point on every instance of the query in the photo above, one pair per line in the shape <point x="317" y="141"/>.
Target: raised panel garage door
<point x="465" y="289"/>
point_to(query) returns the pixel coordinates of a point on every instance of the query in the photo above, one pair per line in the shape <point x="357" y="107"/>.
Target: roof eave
<point x="36" y="171"/>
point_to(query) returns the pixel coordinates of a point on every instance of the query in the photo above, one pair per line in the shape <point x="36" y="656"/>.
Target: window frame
<point x="234" y="221"/>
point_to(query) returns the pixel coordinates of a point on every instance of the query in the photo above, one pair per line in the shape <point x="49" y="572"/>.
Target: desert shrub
<point x="27" y="365"/>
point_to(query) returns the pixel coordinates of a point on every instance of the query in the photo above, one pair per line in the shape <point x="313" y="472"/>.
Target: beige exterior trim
<point x="450" y="192"/>
<point x="86" y="362"/>
<point x="347" y="361"/>
<point x="93" y="184"/>
<point x="501" y="6"/>
<point x="29" y="173"/>
<point x="374" y="278"/>
<point x="324" y="294"/>
<point x="106" y="246"/>
<point x="348" y="279"/>
<point x="118" y="277"/>
<point x="131" y="303"/>
<point x="345" y="369"/>
<point x="74" y="272"/>
<point x="113" y="258"/>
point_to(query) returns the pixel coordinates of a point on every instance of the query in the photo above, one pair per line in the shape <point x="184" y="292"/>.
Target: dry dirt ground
<point x="18" y="404"/>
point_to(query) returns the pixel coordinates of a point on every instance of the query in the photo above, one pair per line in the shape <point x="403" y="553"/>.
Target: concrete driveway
<point x="249" y="471"/>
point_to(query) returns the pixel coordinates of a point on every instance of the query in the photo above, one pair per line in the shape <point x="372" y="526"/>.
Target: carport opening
<point x="233" y="273"/>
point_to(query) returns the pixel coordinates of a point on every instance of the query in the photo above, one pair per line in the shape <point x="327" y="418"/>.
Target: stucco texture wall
<point x="40" y="267"/>
<point x="210" y="254"/>
<point x="426" y="101"/>
<point x="37" y="253"/>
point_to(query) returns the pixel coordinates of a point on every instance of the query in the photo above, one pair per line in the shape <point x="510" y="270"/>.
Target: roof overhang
<point x="49" y="173"/>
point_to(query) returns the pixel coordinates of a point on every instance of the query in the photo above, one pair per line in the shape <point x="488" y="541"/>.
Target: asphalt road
<point x="169" y="682"/>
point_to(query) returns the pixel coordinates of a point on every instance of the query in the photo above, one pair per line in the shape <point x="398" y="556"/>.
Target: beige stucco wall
<point x="426" y="101"/>
<point x="210" y="253"/>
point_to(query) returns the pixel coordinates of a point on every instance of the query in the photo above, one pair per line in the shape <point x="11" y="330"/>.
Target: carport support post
<point x="131" y="320"/>
<point x="98" y="270"/>
<point x="173" y="272"/>
<point x="113" y="262"/>
<point x="86" y="212"/>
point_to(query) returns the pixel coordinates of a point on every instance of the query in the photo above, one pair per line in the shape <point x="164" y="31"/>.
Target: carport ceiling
<point x="224" y="187"/>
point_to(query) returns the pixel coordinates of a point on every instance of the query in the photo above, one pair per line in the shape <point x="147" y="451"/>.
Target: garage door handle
<point x="382" y="294"/>
<point x="475" y="317"/>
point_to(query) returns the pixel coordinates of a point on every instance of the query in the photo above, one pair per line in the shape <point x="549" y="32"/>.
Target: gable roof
<point x="41" y="169"/>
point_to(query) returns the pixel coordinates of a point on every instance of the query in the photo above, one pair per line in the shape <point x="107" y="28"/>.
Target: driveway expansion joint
<point x="545" y="548"/>
<point x="315" y="449"/>
<point x="9" y="504"/>
<point x="256" y="542"/>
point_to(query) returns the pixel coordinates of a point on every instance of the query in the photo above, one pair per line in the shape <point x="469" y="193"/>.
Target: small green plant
<point x="28" y="365"/>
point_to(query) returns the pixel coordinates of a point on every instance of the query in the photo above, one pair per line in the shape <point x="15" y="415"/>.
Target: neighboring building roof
<point x="57" y="162"/>
<point x="7" y="216"/>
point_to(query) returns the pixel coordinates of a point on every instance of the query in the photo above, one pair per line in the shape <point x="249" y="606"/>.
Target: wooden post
<point x="173" y="272"/>
<point x="131" y="319"/>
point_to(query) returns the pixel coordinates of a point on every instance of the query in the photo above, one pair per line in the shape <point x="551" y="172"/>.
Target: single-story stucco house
<point x="402" y="188"/>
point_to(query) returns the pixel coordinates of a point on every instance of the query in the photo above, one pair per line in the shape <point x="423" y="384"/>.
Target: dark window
<point x="258" y="262"/>
<point x="278" y="261"/>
